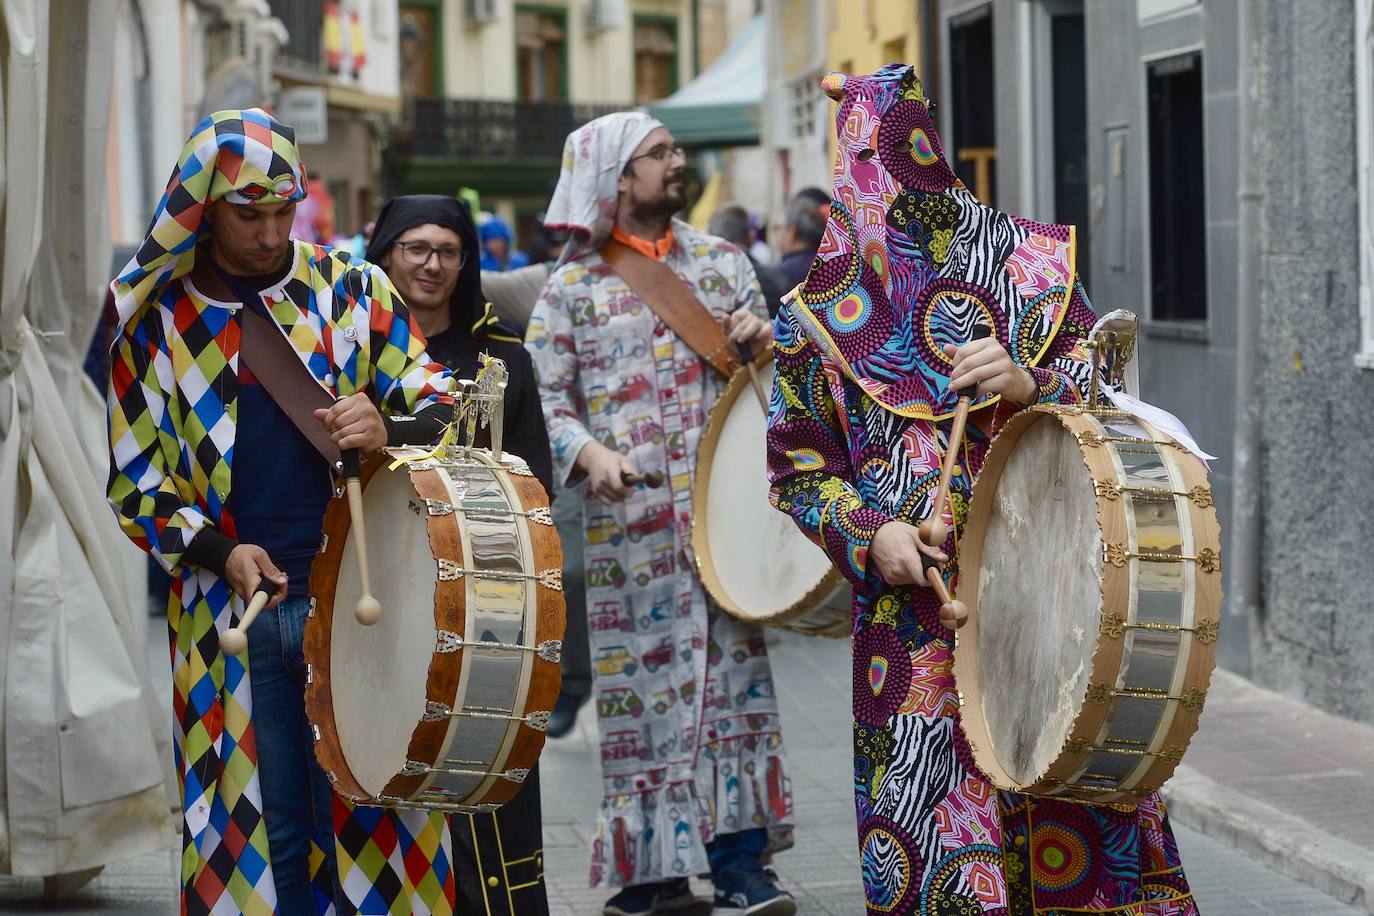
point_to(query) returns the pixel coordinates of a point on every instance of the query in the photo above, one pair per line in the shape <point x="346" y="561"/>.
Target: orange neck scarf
<point x="657" y="250"/>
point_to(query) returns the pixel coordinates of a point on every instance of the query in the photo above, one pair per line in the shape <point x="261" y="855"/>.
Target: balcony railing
<point x="304" y="21"/>
<point x="479" y="129"/>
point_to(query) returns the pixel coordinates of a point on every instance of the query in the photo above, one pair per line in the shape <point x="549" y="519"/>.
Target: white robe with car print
<point x="691" y="745"/>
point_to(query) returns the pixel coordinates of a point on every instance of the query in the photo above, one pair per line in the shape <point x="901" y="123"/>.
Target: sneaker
<point x="658" y="897"/>
<point x="564" y="715"/>
<point x="751" y="891"/>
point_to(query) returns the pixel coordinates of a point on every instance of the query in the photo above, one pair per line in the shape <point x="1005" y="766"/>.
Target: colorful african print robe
<point x="858" y="424"/>
<point x="691" y="745"/>
<point x="172" y="412"/>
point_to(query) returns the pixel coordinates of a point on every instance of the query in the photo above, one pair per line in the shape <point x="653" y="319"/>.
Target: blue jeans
<point x="734" y="850"/>
<point x="297" y="799"/>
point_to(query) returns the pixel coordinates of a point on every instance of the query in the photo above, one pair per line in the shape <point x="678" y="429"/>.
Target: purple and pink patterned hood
<point x="911" y="260"/>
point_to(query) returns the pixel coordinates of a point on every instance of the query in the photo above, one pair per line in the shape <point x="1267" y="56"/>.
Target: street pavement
<point x="1284" y="783"/>
<point x="813" y="682"/>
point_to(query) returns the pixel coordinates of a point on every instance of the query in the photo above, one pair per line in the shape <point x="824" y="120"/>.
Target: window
<point x="541" y="55"/>
<point x="973" y="104"/>
<point x="655" y="59"/>
<point x="1178" y="253"/>
<point x="1071" y="129"/>
<point x="1364" y="145"/>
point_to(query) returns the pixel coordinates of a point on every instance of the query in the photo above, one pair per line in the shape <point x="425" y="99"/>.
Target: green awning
<point x="721" y="106"/>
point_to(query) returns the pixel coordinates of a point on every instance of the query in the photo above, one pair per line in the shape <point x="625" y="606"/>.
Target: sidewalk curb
<point x="1286" y="844"/>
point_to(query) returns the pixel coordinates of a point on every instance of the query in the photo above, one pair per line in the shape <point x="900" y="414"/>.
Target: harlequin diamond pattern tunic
<point x="172" y="416"/>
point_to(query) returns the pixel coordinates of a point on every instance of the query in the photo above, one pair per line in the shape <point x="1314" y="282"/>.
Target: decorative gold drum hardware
<point x="753" y="560"/>
<point x="1091" y="567"/>
<point x="444" y="703"/>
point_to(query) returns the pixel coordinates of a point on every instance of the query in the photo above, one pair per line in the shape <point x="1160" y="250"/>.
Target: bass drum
<point x="753" y="560"/>
<point x="443" y="704"/>
<point x="1091" y="568"/>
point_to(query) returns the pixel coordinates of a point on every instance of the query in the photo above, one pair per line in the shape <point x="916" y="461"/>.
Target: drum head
<point x="1039" y="599"/>
<point x="754" y="560"/>
<point x="378" y="674"/>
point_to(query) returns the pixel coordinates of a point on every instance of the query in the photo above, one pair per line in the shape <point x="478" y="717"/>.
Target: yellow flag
<point x="707" y="203"/>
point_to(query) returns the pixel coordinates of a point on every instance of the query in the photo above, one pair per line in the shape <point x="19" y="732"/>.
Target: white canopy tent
<point x="85" y="753"/>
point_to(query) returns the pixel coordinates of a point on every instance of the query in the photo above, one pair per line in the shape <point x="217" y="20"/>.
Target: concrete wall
<point x="1317" y="633"/>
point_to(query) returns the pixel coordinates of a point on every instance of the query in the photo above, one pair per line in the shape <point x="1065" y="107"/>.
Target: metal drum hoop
<point x="1069" y="775"/>
<point x="818" y="600"/>
<point x="430" y="738"/>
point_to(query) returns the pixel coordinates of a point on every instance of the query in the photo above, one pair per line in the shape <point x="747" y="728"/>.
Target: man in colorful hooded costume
<point x="869" y="357"/>
<point x="210" y="477"/>
<point x="693" y="770"/>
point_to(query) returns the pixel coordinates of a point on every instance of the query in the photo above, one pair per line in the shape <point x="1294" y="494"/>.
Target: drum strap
<point x="660" y="287"/>
<point x="271" y="358"/>
<point x="282" y="374"/>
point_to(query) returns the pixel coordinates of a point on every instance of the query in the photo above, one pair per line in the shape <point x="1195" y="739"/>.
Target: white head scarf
<point x="594" y="156"/>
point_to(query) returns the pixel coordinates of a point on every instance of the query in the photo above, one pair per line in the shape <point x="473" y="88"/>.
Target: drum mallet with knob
<point x="368" y="610"/>
<point x="235" y="639"/>
<point x="933" y="529"/>
<point x="651" y="479"/>
<point x="957" y="615"/>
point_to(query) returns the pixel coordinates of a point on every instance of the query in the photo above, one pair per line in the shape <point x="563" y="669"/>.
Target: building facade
<point x="492" y="88"/>
<point x="174" y="62"/>
<point x="328" y="67"/>
<point x="338" y="78"/>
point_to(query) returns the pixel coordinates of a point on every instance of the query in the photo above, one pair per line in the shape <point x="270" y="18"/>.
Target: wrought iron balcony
<point x="492" y="130"/>
<point x="304" y="51"/>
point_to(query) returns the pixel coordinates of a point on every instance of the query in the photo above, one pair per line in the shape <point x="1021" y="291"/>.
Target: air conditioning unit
<point x="605" y="14"/>
<point x="483" y="10"/>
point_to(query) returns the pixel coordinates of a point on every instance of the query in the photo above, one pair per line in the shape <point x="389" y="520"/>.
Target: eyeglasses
<point x="420" y="252"/>
<point x="661" y="153"/>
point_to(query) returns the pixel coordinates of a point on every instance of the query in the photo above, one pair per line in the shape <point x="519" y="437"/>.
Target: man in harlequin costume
<point x="870" y="356"/>
<point x="694" y="774"/>
<point x="211" y="476"/>
<point x="428" y="246"/>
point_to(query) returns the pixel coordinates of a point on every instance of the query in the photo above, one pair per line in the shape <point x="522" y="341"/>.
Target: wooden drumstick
<point x="933" y="529"/>
<point x="957" y="615"/>
<point x="368" y="610"/>
<point x="651" y="479"/>
<point x="746" y="356"/>
<point x="235" y="639"/>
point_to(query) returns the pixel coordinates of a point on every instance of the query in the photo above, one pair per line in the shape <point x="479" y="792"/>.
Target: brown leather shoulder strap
<point x="279" y="370"/>
<point x="663" y="290"/>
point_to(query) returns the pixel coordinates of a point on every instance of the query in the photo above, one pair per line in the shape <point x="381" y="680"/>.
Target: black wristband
<point x="210" y="549"/>
<point x="420" y="428"/>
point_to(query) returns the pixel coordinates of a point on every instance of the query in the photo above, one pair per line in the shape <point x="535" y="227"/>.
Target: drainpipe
<point x="929" y="66"/>
<point x="696" y="38"/>
<point x="143" y="105"/>
<point x="1247" y="514"/>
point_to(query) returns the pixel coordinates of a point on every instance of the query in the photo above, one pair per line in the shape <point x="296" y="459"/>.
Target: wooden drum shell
<point x="1111" y="697"/>
<point x="434" y="738"/>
